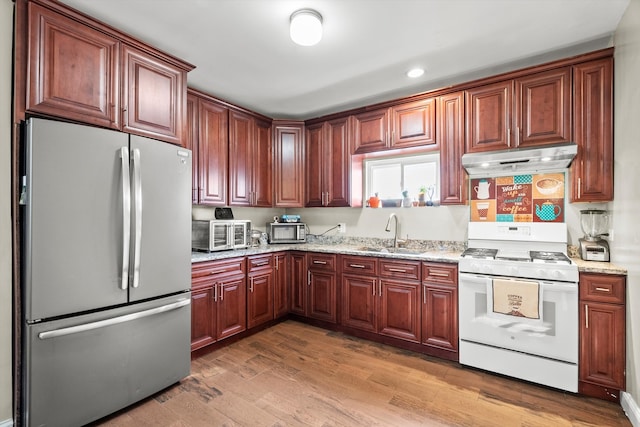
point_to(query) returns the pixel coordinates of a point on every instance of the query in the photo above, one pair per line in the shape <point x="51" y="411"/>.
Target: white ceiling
<point x="243" y="54"/>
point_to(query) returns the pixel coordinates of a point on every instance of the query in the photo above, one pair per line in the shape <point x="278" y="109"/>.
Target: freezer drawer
<point x="83" y="368"/>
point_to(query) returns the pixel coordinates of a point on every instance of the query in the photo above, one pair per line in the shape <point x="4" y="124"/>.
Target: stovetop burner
<point x="549" y="257"/>
<point x="480" y="253"/>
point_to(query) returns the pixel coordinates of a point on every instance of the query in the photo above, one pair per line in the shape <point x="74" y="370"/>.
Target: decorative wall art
<point x="518" y="198"/>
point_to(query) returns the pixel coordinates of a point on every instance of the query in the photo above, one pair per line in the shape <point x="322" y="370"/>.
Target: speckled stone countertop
<point x="420" y="250"/>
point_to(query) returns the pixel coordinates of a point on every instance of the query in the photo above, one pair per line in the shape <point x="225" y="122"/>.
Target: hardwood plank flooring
<point x="294" y="374"/>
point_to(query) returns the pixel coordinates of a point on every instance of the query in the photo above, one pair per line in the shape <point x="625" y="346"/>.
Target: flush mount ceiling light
<point x="415" y="72"/>
<point x="306" y="27"/>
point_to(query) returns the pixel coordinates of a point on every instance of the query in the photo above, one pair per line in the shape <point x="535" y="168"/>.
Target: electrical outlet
<point x="342" y="227"/>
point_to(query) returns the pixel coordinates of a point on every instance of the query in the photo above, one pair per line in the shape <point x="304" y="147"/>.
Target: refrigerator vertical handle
<point x="126" y="216"/>
<point x="137" y="197"/>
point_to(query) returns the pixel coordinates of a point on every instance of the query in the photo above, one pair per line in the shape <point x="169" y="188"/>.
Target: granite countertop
<point x="436" y="251"/>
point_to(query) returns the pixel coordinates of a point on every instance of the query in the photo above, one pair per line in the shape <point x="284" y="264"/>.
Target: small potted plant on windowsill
<point x="421" y="193"/>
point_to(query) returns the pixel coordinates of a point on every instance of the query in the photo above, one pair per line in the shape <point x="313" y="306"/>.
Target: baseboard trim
<point x="631" y="408"/>
<point x="7" y="423"/>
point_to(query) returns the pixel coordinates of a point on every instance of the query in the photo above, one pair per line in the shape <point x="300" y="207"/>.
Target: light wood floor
<point x="296" y="375"/>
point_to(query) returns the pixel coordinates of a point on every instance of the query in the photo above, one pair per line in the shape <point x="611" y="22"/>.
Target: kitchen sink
<point x="383" y="250"/>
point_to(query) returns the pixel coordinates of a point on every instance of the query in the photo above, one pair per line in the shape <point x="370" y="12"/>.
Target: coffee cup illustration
<point x="482" y="189"/>
<point x="548" y="211"/>
<point x="483" y="210"/>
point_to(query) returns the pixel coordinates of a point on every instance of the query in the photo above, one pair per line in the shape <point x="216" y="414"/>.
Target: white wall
<point x="6" y="31"/>
<point x="625" y="249"/>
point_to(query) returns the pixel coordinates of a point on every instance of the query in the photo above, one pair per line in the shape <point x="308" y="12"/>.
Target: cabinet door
<point x="203" y="317"/>
<point x="240" y="159"/>
<point x="154" y="96"/>
<point x="440" y="316"/>
<point x="359" y="296"/>
<point x="543" y="108"/>
<point x="281" y="285"/>
<point x="262" y="155"/>
<point x="191" y="142"/>
<point x="602" y="344"/>
<point x="371" y="131"/>
<point x="260" y="298"/>
<point x="289" y="166"/>
<point x="212" y="153"/>
<point x="414" y="124"/>
<point x="399" y="313"/>
<point x="592" y="168"/>
<point x="73" y="70"/>
<point x="489" y="117"/>
<point x="314" y="141"/>
<point x="338" y="163"/>
<point x="322" y="296"/>
<point x="453" y="177"/>
<point x="232" y="306"/>
<point x="299" y="283"/>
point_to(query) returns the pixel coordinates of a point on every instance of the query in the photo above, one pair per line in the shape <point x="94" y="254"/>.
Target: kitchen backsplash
<point x="519" y="198"/>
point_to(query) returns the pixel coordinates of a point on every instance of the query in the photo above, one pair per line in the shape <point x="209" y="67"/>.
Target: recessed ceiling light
<point x="415" y="72"/>
<point x="306" y="27"/>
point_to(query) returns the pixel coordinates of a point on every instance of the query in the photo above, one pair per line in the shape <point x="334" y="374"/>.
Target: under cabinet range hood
<point x="546" y="158"/>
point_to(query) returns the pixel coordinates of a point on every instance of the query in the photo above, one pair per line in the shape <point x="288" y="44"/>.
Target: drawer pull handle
<point x="398" y="270"/>
<point x="261" y="264"/>
<point x="374" y="287"/>
<point x="435" y="273"/>
<point x="603" y="289"/>
<point x="356" y="265"/>
<point x="320" y="262"/>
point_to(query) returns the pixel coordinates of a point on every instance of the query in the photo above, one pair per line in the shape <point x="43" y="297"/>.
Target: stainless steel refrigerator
<point x="107" y="270"/>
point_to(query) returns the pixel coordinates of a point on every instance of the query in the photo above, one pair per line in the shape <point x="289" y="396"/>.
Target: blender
<point x="594" y="223"/>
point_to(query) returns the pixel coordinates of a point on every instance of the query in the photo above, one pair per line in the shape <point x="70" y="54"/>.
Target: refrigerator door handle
<point x="126" y="216"/>
<point x="113" y="321"/>
<point x="137" y="191"/>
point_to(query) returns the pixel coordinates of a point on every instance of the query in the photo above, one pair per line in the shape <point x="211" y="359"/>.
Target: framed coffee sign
<point x="518" y="198"/>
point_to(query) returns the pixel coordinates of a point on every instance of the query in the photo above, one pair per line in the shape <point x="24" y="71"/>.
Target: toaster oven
<point x="219" y="235"/>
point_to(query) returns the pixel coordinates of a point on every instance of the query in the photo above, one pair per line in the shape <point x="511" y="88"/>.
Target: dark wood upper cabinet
<point x="240" y="159"/>
<point x="371" y="131"/>
<point x="82" y="70"/>
<point x="73" y="71"/>
<point x="328" y="164"/>
<point x="288" y="167"/>
<point x="414" y="124"/>
<point x="191" y="142"/>
<point x="488" y="117"/>
<point x="453" y="178"/>
<point x="154" y="95"/>
<point x="528" y="111"/>
<point x="213" y="147"/>
<point x="592" y="169"/>
<point x="262" y="164"/>
<point x="543" y="108"/>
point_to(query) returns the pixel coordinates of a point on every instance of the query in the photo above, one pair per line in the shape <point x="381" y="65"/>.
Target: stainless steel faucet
<point x="395" y="236"/>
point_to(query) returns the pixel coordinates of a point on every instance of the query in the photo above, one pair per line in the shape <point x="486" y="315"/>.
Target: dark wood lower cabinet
<point x="440" y="309"/>
<point x="281" y="284"/>
<point x="299" y="283"/>
<point x="322" y="301"/>
<point x="203" y="318"/>
<point x="399" y="312"/>
<point x="360" y="302"/>
<point x="602" y="335"/>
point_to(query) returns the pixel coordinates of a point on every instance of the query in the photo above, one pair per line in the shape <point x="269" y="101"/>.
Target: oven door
<point x="553" y="336"/>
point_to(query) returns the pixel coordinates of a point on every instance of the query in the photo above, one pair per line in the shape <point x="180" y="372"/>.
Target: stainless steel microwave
<point x="219" y="235"/>
<point x="283" y="232"/>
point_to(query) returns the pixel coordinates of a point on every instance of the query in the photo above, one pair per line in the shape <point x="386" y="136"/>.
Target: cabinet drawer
<point x="360" y="265"/>
<point x="440" y="273"/>
<point x="259" y="262"/>
<point x="221" y="267"/>
<point x="409" y="270"/>
<point x="324" y="262"/>
<point x="602" y="288"/>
